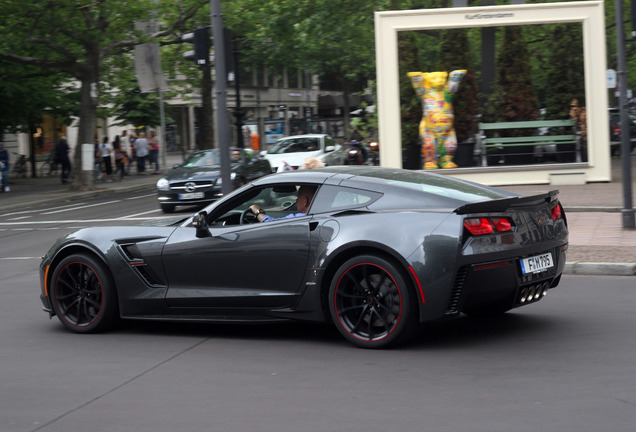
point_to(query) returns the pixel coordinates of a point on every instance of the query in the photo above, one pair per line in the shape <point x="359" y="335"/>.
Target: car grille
<point x="191" y="186"/>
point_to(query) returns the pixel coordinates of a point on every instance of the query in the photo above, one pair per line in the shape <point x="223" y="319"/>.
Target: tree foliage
<point x="77" y="38"/>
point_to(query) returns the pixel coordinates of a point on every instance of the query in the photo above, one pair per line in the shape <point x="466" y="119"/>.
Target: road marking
<point x="140" y="196"/>
<point x="91" y="221"/>
<point x="18" y="258"/>
<point x="81" y="207"/>
<point x="19" y="218"/>
<point x="139" y="214"/>
<point x="40" y="210"/>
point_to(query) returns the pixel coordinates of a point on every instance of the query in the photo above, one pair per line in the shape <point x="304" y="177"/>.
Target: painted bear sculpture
<point x="435" y="91"/>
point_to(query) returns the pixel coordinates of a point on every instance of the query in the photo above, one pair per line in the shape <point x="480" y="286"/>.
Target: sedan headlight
<point x="163" y="184"/>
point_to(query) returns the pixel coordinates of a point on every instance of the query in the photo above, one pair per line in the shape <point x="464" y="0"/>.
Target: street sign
<point x="611" y="78"/>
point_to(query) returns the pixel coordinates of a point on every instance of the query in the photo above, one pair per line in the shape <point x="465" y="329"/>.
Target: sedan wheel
<point x="84" y="298"/>
<point x="371" y="302"/>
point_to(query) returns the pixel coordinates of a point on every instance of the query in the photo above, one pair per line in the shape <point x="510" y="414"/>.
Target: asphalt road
<point x="563" y="364"/>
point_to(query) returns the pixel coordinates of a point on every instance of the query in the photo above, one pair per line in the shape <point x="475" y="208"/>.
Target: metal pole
<point x="629" y="221"/>
<point x="220" y="86"/>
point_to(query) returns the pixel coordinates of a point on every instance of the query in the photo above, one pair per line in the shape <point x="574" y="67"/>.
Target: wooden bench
<point x="489" y="139"/>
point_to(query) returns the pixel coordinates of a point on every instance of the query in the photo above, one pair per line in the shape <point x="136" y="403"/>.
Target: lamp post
<point x="629" y="221"/>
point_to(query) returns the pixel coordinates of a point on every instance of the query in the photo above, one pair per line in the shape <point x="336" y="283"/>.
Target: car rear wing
<point x="503" y="204"/>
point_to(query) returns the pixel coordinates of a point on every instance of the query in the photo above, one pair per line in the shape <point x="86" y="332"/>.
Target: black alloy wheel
<point x="83" y="295"/>
<point x="371" y="302"/>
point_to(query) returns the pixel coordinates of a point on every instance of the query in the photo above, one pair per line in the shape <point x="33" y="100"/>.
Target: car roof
<point x="421" y="188"/>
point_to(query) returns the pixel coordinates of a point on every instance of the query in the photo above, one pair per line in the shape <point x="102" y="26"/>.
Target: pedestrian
<point x="62" y="151"/>
<point x="153" y="144"/>
<point x="105" y="149"/>
<point x="120" y="157"/>
<point x="4" y="161"/>
<point x="141" y="149"/>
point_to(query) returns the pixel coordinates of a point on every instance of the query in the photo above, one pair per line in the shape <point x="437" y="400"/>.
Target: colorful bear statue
<point x="436" y="131"/>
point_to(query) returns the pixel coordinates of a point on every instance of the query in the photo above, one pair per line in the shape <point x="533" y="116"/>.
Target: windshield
<point x="203" y="159"/>
<point x="211" y="158"/>
<point x="295" y="145"/>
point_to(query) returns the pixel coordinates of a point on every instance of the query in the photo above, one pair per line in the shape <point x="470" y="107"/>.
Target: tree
<point x="456" y="54"/>
<point x="514" y="97"/>
<point x="77" y="38"/>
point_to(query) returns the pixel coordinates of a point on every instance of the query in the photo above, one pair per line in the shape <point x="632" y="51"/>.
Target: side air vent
<point x="456" y="293"/>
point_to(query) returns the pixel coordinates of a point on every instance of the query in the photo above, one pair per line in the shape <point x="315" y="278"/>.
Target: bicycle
<point x="49" y="166"/>
<point x="19" y="167"/>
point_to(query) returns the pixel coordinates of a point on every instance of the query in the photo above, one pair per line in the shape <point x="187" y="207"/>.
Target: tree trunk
<point x="83" y="180"/>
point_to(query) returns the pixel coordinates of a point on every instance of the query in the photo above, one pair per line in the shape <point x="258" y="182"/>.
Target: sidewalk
<point x="598" y="243"/>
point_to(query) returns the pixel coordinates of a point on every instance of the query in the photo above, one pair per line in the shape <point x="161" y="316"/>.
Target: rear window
<point x="436" y="185"/>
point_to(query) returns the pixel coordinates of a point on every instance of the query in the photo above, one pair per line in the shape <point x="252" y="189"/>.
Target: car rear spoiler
<point x="503" y="204"/>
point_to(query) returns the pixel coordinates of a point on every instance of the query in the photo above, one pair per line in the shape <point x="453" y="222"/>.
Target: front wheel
<point x="83" y="294"/>
<point x="167" y="208"/>
<point x="372" y="303"/>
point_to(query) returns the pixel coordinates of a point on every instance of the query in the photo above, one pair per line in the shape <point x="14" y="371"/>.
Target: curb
<point x="600" y="269"/>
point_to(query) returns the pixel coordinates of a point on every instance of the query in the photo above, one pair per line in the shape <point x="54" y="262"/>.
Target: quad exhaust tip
<point x="534" y="292"/>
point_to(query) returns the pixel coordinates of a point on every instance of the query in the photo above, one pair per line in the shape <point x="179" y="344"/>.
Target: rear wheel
<point x="372" y="303"/>
<point x="83" y="295"/>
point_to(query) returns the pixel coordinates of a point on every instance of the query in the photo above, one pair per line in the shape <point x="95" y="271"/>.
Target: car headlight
<point x="163" y="184"/>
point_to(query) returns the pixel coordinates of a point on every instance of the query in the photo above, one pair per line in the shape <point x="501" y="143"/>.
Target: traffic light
<point x="201" y="40"/>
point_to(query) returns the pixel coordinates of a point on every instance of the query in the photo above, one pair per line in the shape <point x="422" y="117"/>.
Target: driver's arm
<point x="258" y="211"/>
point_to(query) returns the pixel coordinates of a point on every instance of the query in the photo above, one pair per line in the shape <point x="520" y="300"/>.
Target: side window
<point x="329" y="141"/>
<point x="331" y="198"/>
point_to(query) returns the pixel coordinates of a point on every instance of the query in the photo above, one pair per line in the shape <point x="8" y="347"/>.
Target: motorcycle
<point x="356" y="155"/>
<point x="375" y="152"/>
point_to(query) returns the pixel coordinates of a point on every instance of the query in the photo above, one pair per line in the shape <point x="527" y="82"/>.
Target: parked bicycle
<point x="19" y="166"/>
<point x="49" y="166"/>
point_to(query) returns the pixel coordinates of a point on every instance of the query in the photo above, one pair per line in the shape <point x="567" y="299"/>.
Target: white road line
<point x="91" y="221"/>
<point x="18" y="258"/>
<point x="81" y="207"/>
<point x="140" y="196"/>
<point x="138" y="214"/>
<point x="19" y="218"/>
<point x="40" y="210"/>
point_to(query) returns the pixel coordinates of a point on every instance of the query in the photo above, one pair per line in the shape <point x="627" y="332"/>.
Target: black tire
<point x="371" y="302"/>
<point x="168" y="208"/>
<point x="83" y="295"/>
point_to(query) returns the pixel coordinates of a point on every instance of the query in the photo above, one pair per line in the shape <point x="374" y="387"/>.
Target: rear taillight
<point x="481" y="226"/>
<point x="556" y="212"/>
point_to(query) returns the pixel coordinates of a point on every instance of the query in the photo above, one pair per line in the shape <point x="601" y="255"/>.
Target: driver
<point x="305" y="195"/>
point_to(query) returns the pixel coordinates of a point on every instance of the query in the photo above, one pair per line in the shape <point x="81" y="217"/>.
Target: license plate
<point x="537" y="263"/>
<point x="192" y="195"/>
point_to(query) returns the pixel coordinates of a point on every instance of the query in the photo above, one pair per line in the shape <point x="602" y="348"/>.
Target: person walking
<point x="153" y="143"/>
<point x="4" y="161"/>
<point x="62" y="150"/>
<point x="120" y="157"/>
<point x="141" y="148"/>
<point x="105" y="149"/>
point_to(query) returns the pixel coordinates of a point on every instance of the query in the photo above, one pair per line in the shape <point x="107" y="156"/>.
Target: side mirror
<point x="200" y="222"/>
<point x="329" y="149"/>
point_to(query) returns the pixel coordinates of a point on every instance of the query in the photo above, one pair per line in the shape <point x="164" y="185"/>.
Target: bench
<point x="489" y="139"/>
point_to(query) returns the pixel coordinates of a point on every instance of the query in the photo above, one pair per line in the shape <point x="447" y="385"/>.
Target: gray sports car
<point x="377" y="252"/>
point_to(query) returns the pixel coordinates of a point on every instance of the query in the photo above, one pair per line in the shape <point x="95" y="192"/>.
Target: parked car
<point x="293" y="150"/>
<point x="377" y="252"/>
<point x="198" y="180"/>
<point x="615" y="131"/>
